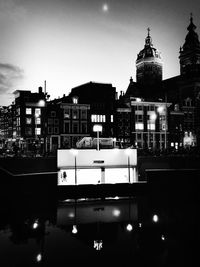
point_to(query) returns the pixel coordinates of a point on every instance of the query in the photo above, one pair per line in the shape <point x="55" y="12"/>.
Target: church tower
<point x="148" y="64"/>
<point x="190" y="53"/>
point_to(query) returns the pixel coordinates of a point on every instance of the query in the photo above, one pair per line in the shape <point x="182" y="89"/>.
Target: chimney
<point x="40" y="90"/>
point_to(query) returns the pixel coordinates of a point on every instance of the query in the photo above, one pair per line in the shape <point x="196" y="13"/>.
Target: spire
<point x="191" y="27"/>
<point x="148" y="40"/>
<point x="191" y="40"/>
<point x="190" y="51"/>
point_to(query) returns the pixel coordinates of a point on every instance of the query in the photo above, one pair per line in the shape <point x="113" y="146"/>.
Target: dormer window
<point x="75" y="100"/>
<point x="188" y="102"/>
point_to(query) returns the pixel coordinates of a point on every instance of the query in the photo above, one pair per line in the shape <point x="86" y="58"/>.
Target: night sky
<point x="70" y="42"/>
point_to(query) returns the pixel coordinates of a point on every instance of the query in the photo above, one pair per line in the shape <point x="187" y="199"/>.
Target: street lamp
<point x="97" y="128"/>
<point x="75" y="153"/>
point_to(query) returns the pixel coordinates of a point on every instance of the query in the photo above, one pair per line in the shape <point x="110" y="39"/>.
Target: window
<point x="53" y="114"/>
<point x="98" y="118"/>
<point x="75" y="100"/>
<point x="188" y="102"/>
<point x="38" y="111"/>
<point x="37" y="131"/>
<point x="28" y="111"/>
<point x="66" y="113"/>
<point x="84" y="114"/>
<point x="67" y="127"/>
<point x="111" y="118"/>
<point x="56" y="130"/>
<point x="83" y="127"/>
<point x="18" y="121"/>
<point x="139" y="107"/>
<point x="151" y="126"/>
<point x="50" y="130"/>
<point x="28" y="120"/>
<point x="139" y="126"/>
<point x="75" y="127"/>
<point x="28" y="131"/>
<point x="50" y="121"/>
<point x="56" y="121"/>
<point x="37" y="120"/>
<point x="139" y="136"/>
<point x="75" y="114"/>
<point x="139" y="118"/>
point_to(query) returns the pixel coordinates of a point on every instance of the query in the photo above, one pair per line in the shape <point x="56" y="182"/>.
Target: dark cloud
<point x="9" y="76"/>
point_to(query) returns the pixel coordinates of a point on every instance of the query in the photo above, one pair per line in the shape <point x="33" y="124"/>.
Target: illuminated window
<point x="75" y="100"/>
<point x="18" y="121"/>
<point x="37" y="131"/>
<point x="151" y="126"/>
<point x="66" y="113"/>
<point x="28" y="111"/>
<point x="75" y="114"/>
<point x="38" y="111"/>
<point x="28" y="120"/>
<point x="111" y="118"/>
<point x="98" y="118"/>
<point x="37" y="120"/>
<point x="139" y="126"/>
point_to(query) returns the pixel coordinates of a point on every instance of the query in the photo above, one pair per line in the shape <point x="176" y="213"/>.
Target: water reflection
<point x="92" y="232"/>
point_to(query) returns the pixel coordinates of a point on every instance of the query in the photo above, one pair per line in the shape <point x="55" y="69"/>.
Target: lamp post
<point x="97" y="128"/>
<point x="75" y="153"/>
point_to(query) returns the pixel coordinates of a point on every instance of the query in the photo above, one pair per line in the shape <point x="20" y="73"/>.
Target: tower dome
<point x="148" y="63"/>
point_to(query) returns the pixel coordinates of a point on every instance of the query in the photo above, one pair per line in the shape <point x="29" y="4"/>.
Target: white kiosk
<point x="91" y="166"/>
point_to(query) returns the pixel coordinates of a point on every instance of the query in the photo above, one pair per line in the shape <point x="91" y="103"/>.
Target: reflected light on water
<point x="39" y="257"/>
<point x="116" y="212"/>
<point x="98" y="244"/>
<point x="35" y="224"/>
<point x="74" y="229"/>
<point x="71" y="215"/>
<point x="155" y="218"/>
<point x="129" y="227"/>
<point x="163" y="237"/>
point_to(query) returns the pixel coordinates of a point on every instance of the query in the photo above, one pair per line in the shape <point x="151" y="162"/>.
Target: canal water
<point x="155" y="228"/>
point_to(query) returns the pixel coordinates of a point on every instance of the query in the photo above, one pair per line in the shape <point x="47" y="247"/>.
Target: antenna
<point x="45" y="87"/>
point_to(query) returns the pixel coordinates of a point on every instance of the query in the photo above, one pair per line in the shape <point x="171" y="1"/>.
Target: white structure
<point x="96" y="167"/>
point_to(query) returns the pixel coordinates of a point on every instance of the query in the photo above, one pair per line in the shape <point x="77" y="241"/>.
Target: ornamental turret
<point x="149" y="64"/>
